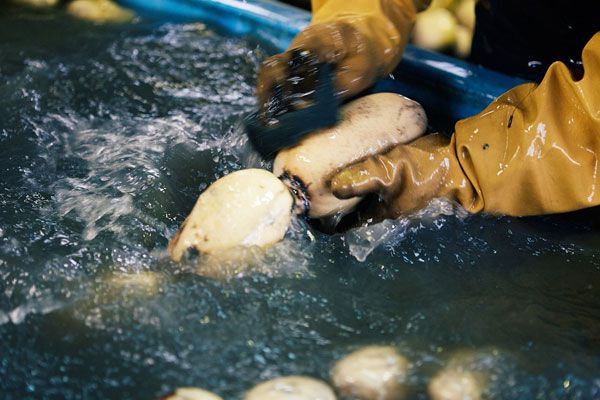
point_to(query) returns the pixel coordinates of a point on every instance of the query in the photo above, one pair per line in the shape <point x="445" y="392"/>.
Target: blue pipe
<point x="454" y="88"/>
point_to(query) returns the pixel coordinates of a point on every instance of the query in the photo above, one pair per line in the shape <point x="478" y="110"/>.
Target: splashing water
<point x="107" y="136"/>
<point x="363" y="240"/>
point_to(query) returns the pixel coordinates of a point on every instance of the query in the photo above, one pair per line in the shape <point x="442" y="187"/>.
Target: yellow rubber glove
<point x="535" y="150"/>
<point x="364" y="39"/>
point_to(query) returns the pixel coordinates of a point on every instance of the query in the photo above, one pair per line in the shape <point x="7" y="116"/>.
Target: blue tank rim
<point x="456" y="88"/>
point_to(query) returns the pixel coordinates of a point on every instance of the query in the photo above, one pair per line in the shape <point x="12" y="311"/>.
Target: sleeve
<point x="387" y="23"/>
<point x="536" y="149"/>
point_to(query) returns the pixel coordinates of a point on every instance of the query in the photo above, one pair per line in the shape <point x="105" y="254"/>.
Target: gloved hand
<point x="535" y="150"/>
<point x="363" y="39"/>
<point x="408" y="176"/>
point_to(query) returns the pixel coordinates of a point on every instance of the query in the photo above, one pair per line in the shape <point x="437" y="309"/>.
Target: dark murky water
<point x="108" y="134"/>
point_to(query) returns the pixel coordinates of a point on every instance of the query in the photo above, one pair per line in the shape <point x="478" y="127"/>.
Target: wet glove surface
<point x="532" y="151"/>
<point x="408" y="176"/>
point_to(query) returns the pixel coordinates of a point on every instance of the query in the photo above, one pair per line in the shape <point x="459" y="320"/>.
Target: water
<point x="108" y="134"/>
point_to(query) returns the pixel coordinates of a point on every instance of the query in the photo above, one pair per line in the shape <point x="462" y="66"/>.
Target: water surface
<point x="108" y="135"/>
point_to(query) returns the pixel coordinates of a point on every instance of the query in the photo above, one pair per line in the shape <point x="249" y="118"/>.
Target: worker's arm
<point x="535" y="150"/>
<point x="363" y="39"/>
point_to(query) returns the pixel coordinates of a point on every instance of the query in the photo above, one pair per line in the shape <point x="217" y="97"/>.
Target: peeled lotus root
<point x="99" y="11"/>
<point x="291" y="388"/>
<point x="372" y="373"/>
<point x="246" y="208"/>
<point x="464" y="39"/>
<point x="37" y="3"/>
<point x="191" y="394"/>
<point x="465" y="13"/>
<point x="435" y="29"/>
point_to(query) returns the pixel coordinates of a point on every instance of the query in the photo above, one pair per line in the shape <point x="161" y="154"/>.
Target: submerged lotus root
<point x="466" y="375"/>
<point x="435" y="29"/>
<point x="246" y="208"/>
<point x="99" y="11"/>
<point x="142" y="283"/>
<point x="370" y="125"/>
<point x="191" y="394"/>
<point x="291" y="388"/>
<point x="37" y="3"/>
<point x="372" y="373"/>
<point x="456" y="384"/>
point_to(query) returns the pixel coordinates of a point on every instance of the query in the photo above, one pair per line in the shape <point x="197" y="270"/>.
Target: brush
<point x="306" y="103"/>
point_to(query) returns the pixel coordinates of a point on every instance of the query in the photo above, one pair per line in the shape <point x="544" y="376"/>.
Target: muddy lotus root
<point x="370" y="125"/>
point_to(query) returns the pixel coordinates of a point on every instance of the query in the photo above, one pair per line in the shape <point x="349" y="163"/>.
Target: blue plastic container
<point x="454" y="88"/>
